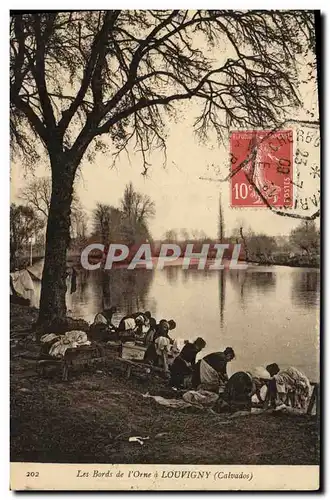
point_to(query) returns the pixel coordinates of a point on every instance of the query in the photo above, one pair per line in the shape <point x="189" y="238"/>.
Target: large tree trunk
<point x="53" y="286"/>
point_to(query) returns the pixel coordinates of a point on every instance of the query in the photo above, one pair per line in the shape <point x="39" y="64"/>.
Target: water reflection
<point x="129" y="289"/>
<point x="98" y="290"/>
<point x="266" y="314"/>
<point x="195" y="274"/>
<point x="261" y="281"/>
<point x="305" y="288"/>
<point x="222" y="295"/>
<point x="172" y="274"/>
<point x="247" y="281"/>
<point x="105" y="285"/>
<point x="83" y="282"/>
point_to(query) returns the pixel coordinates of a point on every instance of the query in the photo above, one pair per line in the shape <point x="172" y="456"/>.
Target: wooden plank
<point x="318" y="400"/>
<point x="84" y="355"/>
<point x="131" y="366"/>
<point x="49" y="361"/>
<point x="65" y="372"/>
<point x="143" y="366"/>
<point x="314" y="399"/>
<point x="130" y="362"/>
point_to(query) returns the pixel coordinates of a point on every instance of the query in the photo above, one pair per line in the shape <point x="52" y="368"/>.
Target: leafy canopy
<point x="78" y="75"/>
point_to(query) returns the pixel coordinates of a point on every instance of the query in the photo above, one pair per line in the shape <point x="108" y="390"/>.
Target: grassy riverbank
<point x="90" y="418"/>
<point x="303" y="261"/>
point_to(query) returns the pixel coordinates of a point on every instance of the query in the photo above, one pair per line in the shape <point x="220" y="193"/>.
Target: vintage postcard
<point x="165" y="250"/>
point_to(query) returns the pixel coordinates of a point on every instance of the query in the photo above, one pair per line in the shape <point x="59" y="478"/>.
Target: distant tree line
<point x="197" y="237"/>
<point x="128" y="223"/>
<point x="24" y="224"/>
<point x="302" y="245"/>
<point x="28" y="220"/>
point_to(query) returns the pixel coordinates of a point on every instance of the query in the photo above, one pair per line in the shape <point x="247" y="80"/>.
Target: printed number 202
<point x="32" y="474"/>
<point x="241" y="191"/>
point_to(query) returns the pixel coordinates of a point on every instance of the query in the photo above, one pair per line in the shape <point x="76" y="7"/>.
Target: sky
<point x="182" y="199"/>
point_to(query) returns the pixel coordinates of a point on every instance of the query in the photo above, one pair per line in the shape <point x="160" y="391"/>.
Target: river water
<point x="267" y="314"/>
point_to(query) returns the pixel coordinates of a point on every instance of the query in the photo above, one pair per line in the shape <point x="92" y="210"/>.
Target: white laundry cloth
<point x="100" y="319"/>
<point x="23" y="283"/>
<point x="162" y="344"/>
<point x="69" y="340"/>
<point x="209" y="376"/>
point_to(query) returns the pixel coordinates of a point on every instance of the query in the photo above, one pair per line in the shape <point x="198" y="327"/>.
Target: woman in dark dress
<point x="184" y="363"/>
<point x="238" y="392"/>
<point x="161" y="330"/>
<point x="210" y="373"/>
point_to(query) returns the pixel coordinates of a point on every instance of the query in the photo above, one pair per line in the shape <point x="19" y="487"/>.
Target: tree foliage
<point x="107" y="223"/>
<point x="78" y="75"/>
<point x="261" y="246"/>
<point x="137" y="210"/>
<point x="24" y="224"/>
<point x="129" y="223"/>
<point x="306" y="237"/>
<point x="37" y="195"/>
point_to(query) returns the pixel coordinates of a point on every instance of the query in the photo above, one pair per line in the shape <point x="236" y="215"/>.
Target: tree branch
<point x="33" y="118"/>
<point x="38" y="70"/>
<point x="99" y="41"/>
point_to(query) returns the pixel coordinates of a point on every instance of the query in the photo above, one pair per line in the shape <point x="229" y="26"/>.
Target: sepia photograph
<point x="165" y="249"/>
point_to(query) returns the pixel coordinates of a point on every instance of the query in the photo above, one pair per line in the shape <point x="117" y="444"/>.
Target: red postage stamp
<point x="261" y="168"/>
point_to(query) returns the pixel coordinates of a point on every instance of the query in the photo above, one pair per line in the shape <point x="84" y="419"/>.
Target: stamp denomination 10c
<point x="261" y="168"/>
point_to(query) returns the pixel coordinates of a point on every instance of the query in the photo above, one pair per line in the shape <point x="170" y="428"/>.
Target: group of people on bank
<point x="260" y="386"/>
<point x="209" y="373"/>
<point x="140" y="326"/>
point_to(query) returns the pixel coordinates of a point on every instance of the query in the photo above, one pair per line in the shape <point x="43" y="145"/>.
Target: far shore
<point x="74" y="260"/>
<point x="299" y="261"/>
<point x="294" y="262"/>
